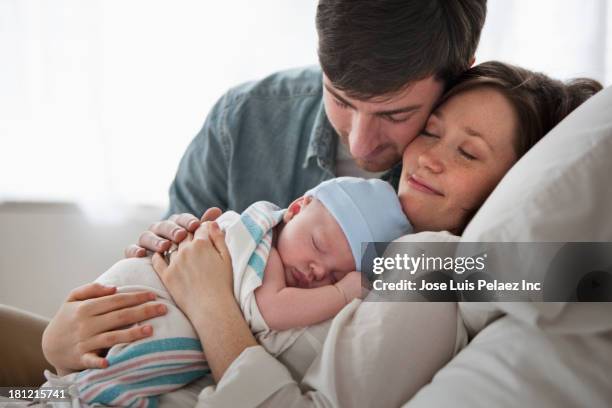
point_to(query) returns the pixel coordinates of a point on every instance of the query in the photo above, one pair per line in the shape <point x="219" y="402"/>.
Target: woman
<point x="371" y="353"/>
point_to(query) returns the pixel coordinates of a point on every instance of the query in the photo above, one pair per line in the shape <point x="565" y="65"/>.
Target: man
<point x="383" y="66"/>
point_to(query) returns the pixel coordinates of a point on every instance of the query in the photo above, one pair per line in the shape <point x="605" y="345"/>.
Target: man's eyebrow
<point x="341" y="99"/>
<point x="405" y="109"/>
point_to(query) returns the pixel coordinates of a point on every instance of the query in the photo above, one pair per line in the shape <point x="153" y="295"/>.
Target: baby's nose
<point x="318" y="272"/>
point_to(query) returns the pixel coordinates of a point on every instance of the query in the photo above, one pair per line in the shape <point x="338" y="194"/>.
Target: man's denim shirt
<point x="266" y="140"/>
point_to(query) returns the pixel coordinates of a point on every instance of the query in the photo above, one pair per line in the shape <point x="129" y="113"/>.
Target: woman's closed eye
<point x="429" y="134"/>
<point x="467" y="154"/>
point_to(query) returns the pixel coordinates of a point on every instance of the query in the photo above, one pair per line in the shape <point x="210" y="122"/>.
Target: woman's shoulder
<point x="429" y="236"/>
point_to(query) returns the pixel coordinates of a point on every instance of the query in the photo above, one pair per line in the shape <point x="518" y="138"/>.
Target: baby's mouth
<point x="299" y="277"/>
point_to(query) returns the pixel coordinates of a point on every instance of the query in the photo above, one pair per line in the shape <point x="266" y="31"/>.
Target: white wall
<point x="47" y="249"/>
<point x="99" y="98"/>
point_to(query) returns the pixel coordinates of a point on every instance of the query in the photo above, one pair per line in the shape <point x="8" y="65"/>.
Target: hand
<point x="199" y="271"/>
<point x="350" y="286"/>
<point x="92" y="319"/>
<point x="199" y="278"/>
<point x="161" y="235"/>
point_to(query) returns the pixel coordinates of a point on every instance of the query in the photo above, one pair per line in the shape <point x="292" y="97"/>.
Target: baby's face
<point x="453" y="165"/>
<point x="313" y="248"/>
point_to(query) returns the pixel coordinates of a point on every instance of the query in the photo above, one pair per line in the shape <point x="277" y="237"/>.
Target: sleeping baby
<point x="292" y="268"/>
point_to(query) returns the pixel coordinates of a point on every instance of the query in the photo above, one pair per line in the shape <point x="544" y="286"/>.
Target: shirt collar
<point x="322" y="143"/>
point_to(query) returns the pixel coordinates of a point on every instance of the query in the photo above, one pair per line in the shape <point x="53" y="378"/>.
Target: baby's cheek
<point x="322" y="282"/>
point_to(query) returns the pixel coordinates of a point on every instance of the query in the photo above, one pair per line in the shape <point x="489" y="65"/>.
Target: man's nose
<point x="432" y="159"/>
<point x="363" y="138"/>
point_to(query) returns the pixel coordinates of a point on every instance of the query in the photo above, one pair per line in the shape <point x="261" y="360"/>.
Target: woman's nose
<point x="431" y="159"/>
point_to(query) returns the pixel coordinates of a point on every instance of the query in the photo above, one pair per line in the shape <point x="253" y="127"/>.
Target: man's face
<point x="378" y="130"/>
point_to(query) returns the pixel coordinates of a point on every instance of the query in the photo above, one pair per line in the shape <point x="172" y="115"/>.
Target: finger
<point x="171" y="229"/>
<point x="211" y="214"/>
<point x="92" y="360"/>
<point x="127" y="317"/>
<point x="153" y="242"/>
<point x="160" y="265"/>
<point x="218" y="239"/>
<point x="94" y="307"/>
<point x="188" y="221"/>
<point x="90" y="291"/>
<point x="135" y="251"/>
<point x="109" y="339"/>
<point x="203" y="232"/>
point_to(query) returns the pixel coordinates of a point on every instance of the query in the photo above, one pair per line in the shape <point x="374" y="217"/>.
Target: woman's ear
<point x="295" y="207"/>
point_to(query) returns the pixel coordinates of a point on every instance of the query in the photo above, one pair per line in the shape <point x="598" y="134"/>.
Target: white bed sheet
<point x="513" y="364"/>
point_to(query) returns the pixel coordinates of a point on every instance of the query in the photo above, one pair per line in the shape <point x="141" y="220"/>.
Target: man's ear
<point x="295" y="207"/>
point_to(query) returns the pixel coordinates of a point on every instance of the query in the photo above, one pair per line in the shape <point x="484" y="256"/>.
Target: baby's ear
<point x="295" y="207"/>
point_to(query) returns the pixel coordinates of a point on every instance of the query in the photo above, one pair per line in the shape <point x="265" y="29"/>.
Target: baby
<point x="292" y="268"/>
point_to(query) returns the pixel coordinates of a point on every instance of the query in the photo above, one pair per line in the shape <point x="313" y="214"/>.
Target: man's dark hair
<point x="369" y="48"/>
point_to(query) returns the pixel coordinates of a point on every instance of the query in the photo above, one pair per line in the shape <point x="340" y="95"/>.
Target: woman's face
<point x="453" y="165"/>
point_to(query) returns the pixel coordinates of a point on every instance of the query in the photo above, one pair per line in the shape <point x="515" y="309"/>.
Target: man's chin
<point x="375" y="166"/>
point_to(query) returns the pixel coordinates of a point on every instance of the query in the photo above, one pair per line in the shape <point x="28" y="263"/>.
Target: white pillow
<point x="512" y="365"/>
<point x="561" y="190"/>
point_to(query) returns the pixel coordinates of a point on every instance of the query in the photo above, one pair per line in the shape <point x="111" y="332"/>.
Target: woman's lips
<point x="421" y="185"/>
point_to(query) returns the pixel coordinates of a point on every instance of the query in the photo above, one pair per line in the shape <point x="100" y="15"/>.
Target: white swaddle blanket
<point x="173" y="355"/>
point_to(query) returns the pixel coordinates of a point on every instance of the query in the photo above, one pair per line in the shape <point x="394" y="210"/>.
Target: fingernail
<point x="151" y="296"/>
<point x="146" y="330"/>
<point x="161" y="242"/>
<point x="161" y="309"/>
<point x="193" y="224"/>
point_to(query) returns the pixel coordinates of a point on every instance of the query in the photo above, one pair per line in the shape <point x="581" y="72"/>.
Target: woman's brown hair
<point x="539" y="101"/>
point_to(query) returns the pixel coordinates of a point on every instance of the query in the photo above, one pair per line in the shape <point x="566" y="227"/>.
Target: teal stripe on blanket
<point x="156" y="346"/>
<point x="251" y="226"/>
<point x="144" y="369"/>
<point x="109" y="395"/>
<point x="257" y="264"/>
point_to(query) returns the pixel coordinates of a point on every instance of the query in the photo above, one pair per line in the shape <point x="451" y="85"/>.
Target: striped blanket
<point x="173" y="356"/>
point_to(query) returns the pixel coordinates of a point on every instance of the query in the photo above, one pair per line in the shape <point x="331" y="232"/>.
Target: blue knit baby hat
<point x="367" y="210"/>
